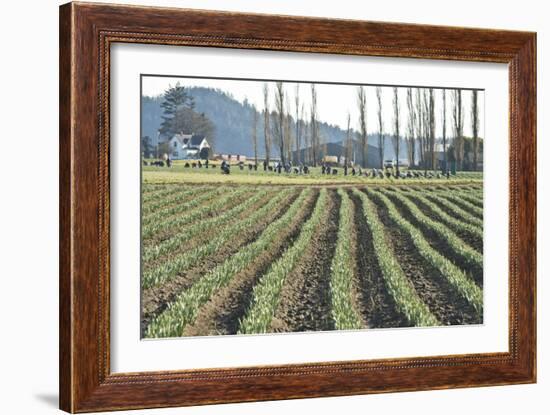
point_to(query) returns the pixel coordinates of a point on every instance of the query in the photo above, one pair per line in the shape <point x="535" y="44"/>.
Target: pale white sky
<point x="333" y="101"/>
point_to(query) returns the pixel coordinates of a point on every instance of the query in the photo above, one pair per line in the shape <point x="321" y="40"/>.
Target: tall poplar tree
<point x="363" y="135"/>
<point x="381" y="138"/>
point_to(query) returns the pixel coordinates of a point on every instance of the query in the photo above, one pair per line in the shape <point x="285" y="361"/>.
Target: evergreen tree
<point x="146" y="146"/>
<point x="175" y="100"/>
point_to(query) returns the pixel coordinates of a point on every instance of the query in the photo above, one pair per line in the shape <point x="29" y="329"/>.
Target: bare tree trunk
<point x="411" y="128"/>
<point x="431" y="116"/>
<point x="307" y="144"/>
<point x="458" y="125"/>
<point x="255" y="133"/>
<point x="381" y="138"/>
<point x="396" y="137"/>
<point x="267" y="137"/>
<point x="288" y="131"/>
<point x="419" y="126"/>
<point x="426" y="129"/>
<point x="348" y="144"/>
<point x="475" y="127"/>
<point x="362" y="104"/>
<point x="303" y="143"/>
<point x="280" y="108"/>
<point x="298" y="138"/>
<point x="444" y="132"/>
<point x="314" y="126"/>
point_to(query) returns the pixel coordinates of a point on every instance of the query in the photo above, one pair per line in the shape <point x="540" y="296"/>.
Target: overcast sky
<point x="334" y="102"/>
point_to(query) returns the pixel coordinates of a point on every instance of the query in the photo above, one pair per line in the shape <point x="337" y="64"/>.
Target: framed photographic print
<point x="260" y="207"/>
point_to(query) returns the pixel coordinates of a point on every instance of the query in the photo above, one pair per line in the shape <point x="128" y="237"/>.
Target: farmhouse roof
<point x="182" y="138"/>
<point x="196" y="140"/>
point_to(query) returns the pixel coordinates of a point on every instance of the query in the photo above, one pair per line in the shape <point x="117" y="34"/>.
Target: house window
<point x="175" y="154"/>
<point x="175" y="144"/>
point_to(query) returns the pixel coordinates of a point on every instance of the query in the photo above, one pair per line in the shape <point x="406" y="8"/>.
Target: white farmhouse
<point x="187" y="146"/>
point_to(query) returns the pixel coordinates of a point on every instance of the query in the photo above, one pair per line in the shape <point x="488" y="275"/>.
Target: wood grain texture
<point x="86" y="33"/>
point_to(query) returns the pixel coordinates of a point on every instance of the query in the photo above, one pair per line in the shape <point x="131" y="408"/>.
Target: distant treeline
<point x="233" y="127"/>
<point x="232" y="122"/>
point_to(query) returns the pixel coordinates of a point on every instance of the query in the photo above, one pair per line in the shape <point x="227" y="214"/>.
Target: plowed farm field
<point x="249" y="259"/>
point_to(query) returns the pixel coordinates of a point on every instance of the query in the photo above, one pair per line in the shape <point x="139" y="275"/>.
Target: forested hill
<point x="233" y="123"/>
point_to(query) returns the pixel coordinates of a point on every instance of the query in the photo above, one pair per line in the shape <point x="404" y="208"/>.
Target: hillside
<point x="233" y="120"/>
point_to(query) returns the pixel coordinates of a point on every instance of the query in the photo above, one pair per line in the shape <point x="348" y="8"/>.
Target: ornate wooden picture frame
<point x="87" y="32"/>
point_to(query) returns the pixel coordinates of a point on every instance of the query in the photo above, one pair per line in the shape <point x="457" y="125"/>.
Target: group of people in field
<point x="326" y="169"/>
<point x="277" y="167"/>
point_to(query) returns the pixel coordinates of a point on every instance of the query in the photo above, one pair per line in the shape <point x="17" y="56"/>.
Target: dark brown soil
<point x="440" y="245"/>
<point x="442" y="299"/>
<point x="155" y="300"/>
<point x="305" y="302"/>
<point x="375" y="304"/>
<point x="471" y="239"/>
<point x="222" y="314"/>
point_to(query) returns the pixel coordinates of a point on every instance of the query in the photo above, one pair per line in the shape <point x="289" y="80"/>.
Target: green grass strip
<point x="266" y="294"/>
<point x="179" y="263"/>
<point x="151" y="253"/>
<point x="448" y="219"/>
<point x="344" y="313"/>
<point x="460" y="247"/>
<point x="456" y="277"/>
<point x="184" y="310"/>
<point x="399" y="287"/>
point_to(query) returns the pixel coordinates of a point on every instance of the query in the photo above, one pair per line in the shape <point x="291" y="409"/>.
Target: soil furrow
<point x="155" y="300"/>
<point x="440" y="245"/>
<point x="444" y="302"/>
<point x="375" y="304"/>
<point x="205" y="236"/>
<point x="446" y="209"/>
<point x="221" y="315"/>
<point x="305" y="303"/>
<point x="471" y="239"/>
<point x="462" y="205"/>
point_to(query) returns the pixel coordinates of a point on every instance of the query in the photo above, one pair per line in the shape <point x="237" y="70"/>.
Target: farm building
<point x="189" y="146"/>
<point x="335" y="153"/>
<point x="231" y="157"/>
<point x="332" y="160"/>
